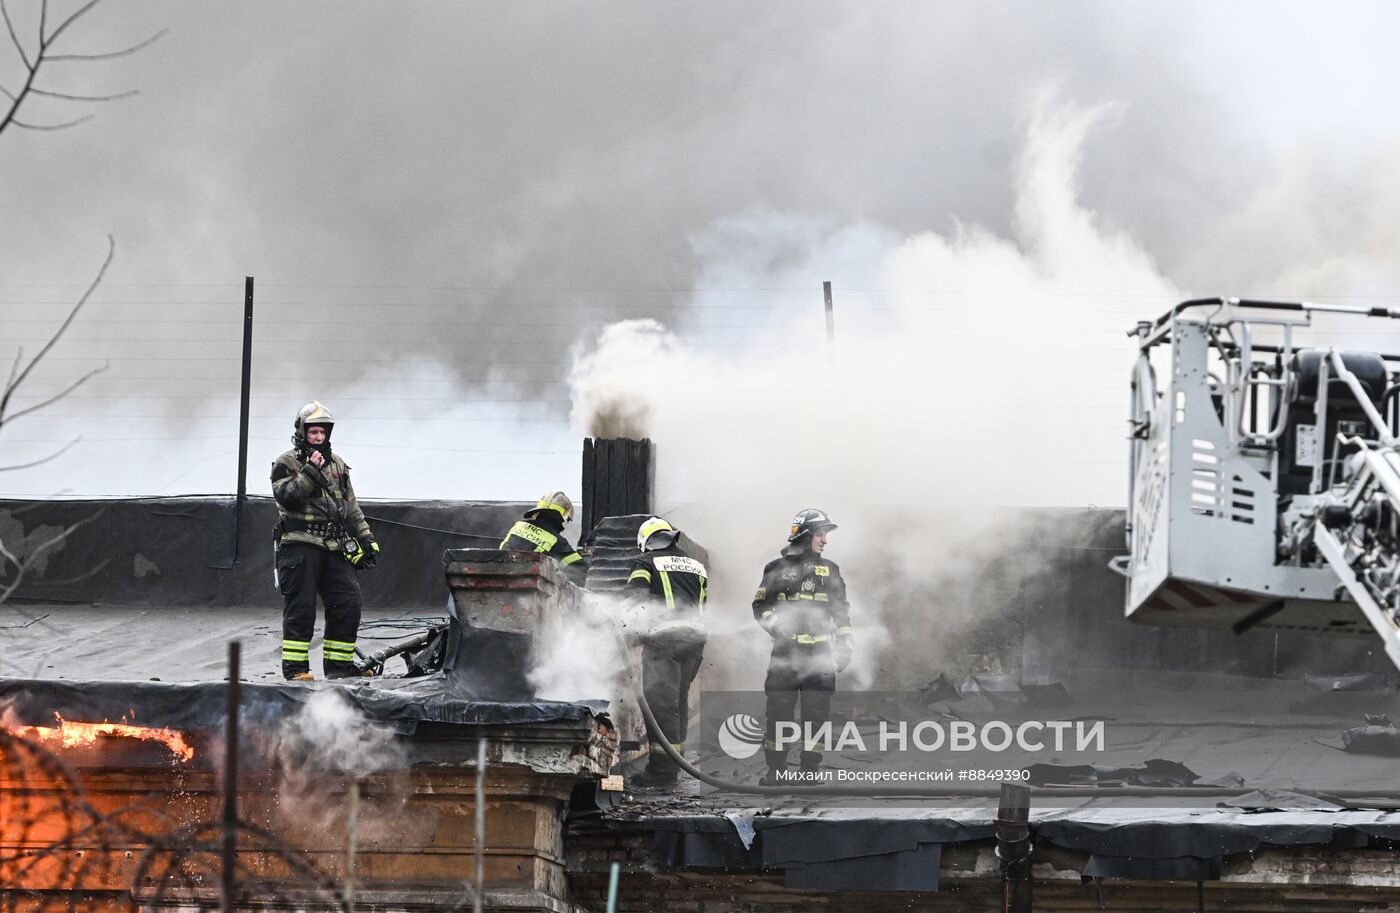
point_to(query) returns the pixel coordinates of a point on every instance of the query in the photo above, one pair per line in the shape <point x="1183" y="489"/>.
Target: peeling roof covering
<point x="97" y="663"/>
<point x="399" y="703"/>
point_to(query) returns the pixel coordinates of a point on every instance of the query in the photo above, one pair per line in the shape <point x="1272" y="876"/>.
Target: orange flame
<point x="71" y="734"/>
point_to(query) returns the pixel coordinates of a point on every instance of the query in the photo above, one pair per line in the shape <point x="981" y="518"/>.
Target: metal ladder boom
<point x="1359" y="543"/>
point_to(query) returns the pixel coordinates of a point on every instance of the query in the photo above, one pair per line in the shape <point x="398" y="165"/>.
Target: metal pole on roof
<point x="227" y="880"/>
<point x="830" y="323"/>
<point x="243" y="410"/>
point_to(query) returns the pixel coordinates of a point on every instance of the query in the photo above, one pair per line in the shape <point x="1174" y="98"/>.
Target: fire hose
<point x="375" y="661"/>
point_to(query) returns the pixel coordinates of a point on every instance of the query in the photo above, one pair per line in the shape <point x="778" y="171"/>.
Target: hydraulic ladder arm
<point x="1356" y="523"/>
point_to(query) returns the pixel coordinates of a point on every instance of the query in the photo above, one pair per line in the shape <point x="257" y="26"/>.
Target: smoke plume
<point x="516" y="189"/>
<point x="986" y="365"/>
<point x="585" y="655"/>
<point x="321" y="750"/>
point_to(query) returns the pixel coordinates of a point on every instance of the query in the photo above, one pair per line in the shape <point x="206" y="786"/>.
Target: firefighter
<point x="322" y="540"/>
<point x="542" y="530"/>
<point x="672" y="584"/>
<point x="801" y="603"/>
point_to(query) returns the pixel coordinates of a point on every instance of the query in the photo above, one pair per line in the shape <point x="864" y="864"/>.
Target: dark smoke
<point x="439" y="200"/>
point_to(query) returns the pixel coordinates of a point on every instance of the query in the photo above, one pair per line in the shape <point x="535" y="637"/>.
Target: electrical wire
<point x="433" y="529"/>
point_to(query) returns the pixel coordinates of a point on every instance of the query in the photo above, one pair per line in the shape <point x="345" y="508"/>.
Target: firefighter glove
<point x="363" y="554"/>
<point x="317" y="476"/>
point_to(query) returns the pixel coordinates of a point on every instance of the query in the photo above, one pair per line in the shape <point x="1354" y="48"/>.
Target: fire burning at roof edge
<point x="74" y="734"/>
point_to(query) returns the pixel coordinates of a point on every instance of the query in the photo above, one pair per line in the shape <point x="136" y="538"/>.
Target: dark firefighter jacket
<point x="544" y="534"/>
<point x="802" y="598"/>
<point x="318" y="506"/>
<point x="676" y="584"/>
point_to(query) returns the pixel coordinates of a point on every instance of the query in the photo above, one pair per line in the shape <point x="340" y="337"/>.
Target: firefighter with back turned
<point x="672" y="585"/>
<point x="542" y="531"/>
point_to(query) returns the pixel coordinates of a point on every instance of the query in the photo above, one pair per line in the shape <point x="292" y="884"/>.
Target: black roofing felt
<point x="865" y="850"/>
<point x="162" y="552"/>
<point x="402" y="704"/>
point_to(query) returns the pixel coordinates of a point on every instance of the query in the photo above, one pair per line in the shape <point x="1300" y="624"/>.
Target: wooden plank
<point x="589" y="491"/>
<point x="616" y="503"/>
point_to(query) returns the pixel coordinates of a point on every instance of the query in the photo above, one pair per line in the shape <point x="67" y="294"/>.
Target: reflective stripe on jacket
<point x="677" y="584"/>
<point x="525" y="536"/>
<point x="803" y="598"/>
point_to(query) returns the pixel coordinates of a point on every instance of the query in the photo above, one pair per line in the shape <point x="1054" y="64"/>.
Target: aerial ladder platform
<point x="1264" y="473"/>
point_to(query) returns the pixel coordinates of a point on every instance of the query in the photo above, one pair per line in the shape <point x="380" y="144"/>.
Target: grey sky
<point x="438" y="200"/>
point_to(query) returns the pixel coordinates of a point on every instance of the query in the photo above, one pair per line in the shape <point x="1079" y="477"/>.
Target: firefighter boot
<point x="777" y="766"/>
<point x="342" y="676"/>
<point x="811" y="761"/>
<point x="660" y="773"/>
<point x="656" y="777"/>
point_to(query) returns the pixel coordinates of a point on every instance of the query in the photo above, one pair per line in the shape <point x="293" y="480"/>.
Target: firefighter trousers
<point x="305" y="571"/>
<point x="801" y="679"/>
<point x="668" y="668"/>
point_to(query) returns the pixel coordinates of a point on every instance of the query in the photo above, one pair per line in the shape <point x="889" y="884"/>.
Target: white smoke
<point x="585" y="655"/>
<point x="325" y="746"/>
<point x="330" y="734"/>
<point x="407" y="429"/>
<point x="971" y="371"/>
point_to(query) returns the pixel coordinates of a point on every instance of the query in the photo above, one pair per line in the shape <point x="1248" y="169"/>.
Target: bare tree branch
<point x="19" y="356"/>
<point x="16" y="122"/>
<point x="66" y="97"/>
<point x="33" y="64"/>
<point x="21" y="369"/>
<point x="9" y="555"/>
<point x="88" y="574"/>
<point x="31" y="73"/>
<point x="108" y="55"/>
<point x="53" y="456"/>
<point x="79" y="13"/>
<point x="19" y="45"/>
<point x="48" y="543"/>
<point x="58" y="334"/>
<point x="58" y="396"/>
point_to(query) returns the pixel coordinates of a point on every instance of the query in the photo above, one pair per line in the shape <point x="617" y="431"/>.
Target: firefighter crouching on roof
<point x="673" y="584"/>
<point x="321" y="541"/>
<point x="801" y="603"/>
<point x="542" y="530"/>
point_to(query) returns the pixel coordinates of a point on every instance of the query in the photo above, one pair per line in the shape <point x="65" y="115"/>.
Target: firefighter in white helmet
<point x="801" y="603"/>
<point x="322" y="540"/>
<point x="673" y="585"/>
<point x="542" y="530"/>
